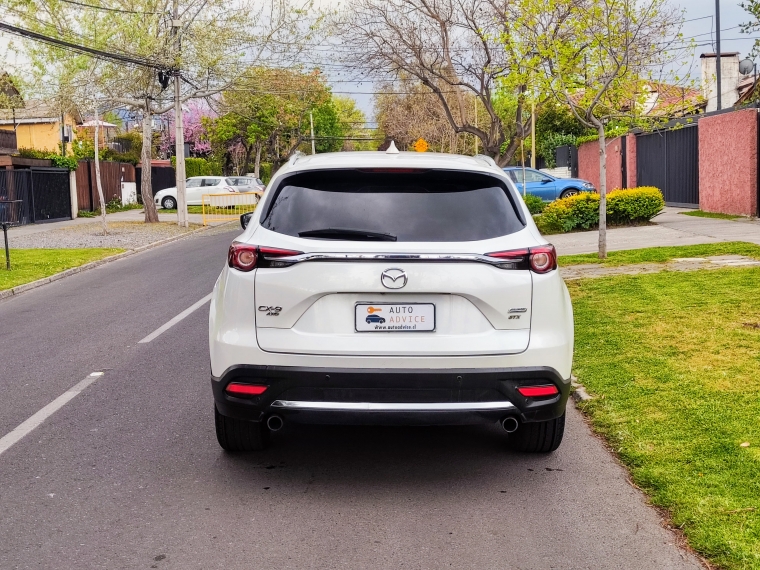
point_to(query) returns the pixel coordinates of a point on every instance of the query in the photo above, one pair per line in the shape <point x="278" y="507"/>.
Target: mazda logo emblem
<point x="393" y="278"/>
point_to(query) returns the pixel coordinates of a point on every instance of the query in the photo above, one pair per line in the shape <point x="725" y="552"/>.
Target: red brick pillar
<point x="728" y="163"/>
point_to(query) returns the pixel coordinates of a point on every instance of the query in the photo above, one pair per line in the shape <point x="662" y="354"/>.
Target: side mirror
<point x="244" y="219"/>
<point x="546" y="181"/>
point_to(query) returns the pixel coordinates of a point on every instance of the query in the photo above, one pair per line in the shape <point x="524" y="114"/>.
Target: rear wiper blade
<point x="340" y="233"/>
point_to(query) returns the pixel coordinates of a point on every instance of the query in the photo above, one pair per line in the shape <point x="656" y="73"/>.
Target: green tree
<point x="328" y="129"/>
<point x="354" y="125"/>
<point x="266" y="113"/>
<point x="596" y="57"/>
<point x="148" y="45"/>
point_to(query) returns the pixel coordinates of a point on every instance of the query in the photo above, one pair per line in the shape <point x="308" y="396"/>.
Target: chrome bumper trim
<point x="408" y="257"/>
<point x="393" y="407"/>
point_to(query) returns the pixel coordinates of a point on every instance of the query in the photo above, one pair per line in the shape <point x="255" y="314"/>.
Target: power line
<point x="78" y="48"/>
<point x="105" y="9"/>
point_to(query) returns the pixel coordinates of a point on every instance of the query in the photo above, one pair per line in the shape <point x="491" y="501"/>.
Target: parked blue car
<point x="545" y="186"/>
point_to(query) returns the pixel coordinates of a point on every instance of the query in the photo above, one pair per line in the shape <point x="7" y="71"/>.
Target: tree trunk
<point x="146" y="190"/>
<point x="97" y="173"/>
<point x="257" y="163"/>
<point x="602" y="193"/>
<point x="247" y="160"/>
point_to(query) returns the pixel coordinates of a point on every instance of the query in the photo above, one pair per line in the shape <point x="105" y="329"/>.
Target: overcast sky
<point x="700" y="25"/>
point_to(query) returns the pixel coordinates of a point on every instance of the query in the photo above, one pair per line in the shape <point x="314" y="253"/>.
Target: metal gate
<point x="669" y="160"/>
<point x="51" y="194"/>
<point x="17" y="185"/>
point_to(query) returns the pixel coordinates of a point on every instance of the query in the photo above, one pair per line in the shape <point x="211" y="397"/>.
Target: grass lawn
<point x="663" y="254"/>
<point x="31" y="264"/>
<point x="673" y="361"/>
<point x="701" y="214"/>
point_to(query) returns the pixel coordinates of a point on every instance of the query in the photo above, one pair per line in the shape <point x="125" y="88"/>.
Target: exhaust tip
<point x="274" y="423"/>
<point x="510" y="424"/>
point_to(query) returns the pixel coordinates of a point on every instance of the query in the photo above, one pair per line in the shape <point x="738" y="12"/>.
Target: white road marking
<point x="163" y="328"/>
<point x="13" y="437"/>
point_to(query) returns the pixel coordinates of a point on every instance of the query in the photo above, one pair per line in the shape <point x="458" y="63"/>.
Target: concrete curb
<point x="579" y="393"/>
<point x="8" y="293"/>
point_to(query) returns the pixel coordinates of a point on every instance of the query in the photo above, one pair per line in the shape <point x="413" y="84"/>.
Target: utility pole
<point x="476" y="124"/>
<point x="179" y="132"/>
<point x="717" y="49"/>
<point x="311" y="122"/>
<point x="532" y="133"/>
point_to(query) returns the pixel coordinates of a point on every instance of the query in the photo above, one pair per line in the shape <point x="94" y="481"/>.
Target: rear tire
<point x="239" y="435"/>
<point x="168" y="203"/>
<point x="538" y="437"/>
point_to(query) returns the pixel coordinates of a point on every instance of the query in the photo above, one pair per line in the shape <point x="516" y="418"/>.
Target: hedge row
<point x="581" y="212"/>
<point x="197" y="167"/>
<point x="535" y="204"/>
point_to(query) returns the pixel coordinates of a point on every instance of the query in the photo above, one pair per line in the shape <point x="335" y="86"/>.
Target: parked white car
<point x="393" y="288"/>
<point x="258" y="185"/>
<point x="195" y="188"/>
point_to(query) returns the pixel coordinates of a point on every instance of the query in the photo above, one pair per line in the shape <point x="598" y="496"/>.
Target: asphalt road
<point x="128" y="473"/>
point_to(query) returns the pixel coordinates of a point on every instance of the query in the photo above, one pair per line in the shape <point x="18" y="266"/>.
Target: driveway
<point x="669" y="228"/>
<point x="127" y="473"/>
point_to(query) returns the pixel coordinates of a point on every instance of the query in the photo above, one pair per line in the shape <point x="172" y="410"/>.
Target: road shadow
<point x="382" y="456"/>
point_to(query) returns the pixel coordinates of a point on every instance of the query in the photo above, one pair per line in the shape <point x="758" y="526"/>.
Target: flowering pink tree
<point x="195" y="133"/>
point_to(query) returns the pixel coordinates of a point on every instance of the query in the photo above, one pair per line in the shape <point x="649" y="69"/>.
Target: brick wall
<point x="588" y="163"/>
<point x="631" y="160"/>
<point x="728" y="163"/>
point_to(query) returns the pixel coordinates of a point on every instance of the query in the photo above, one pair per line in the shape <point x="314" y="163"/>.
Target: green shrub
<point x="535" y="204"/>
<point x="547" y="146"/>
<point x="634" y="205"/>
<point x="195" y="166"/>
<point x="609" y="134"/>
<point x="265" y="172"/>
<point x="581" y="211"/>
<point x="68" y="162"/>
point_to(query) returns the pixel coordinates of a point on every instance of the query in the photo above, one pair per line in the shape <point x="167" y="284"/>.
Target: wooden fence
<point x="112" y="174"/>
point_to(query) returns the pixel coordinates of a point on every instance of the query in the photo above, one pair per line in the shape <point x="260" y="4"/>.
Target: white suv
<point x="393" y="288"/>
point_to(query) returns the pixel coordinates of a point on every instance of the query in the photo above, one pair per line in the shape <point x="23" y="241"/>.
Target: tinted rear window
<point x="430" y="205"/>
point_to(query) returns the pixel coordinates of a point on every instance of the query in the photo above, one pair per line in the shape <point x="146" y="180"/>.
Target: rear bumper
<point x="391" y="396"/>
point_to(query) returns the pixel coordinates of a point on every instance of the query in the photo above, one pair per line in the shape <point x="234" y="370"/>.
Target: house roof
<point x="674" y="99"/>
<point x="722" y="54"/>
<point x="666" y="99"/>
<point x="38" y="111"/>
<point x="101" y="124"/>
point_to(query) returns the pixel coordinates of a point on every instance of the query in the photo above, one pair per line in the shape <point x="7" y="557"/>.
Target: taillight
<point x="543" y="259"/>
<point x="538" y="391"/>
<point x="237" y="389"/>
<point x="538" y="259"/>
<point x="245" y="257"/>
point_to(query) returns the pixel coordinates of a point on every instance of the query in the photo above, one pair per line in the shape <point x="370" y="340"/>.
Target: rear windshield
<point x="431" y="205"/>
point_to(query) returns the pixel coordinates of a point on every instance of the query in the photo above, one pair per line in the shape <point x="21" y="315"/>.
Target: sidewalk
<point x="128" y="216"/>
<point x="670" y="228"/>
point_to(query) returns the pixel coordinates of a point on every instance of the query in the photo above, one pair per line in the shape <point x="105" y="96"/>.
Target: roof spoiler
<point x="487" y="159"/>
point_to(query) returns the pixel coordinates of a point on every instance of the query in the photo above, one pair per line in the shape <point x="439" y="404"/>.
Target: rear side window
<point x="411" y="205"/>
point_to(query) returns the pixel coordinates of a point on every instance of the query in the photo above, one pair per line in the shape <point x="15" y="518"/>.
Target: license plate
<point x="395" y="317"/>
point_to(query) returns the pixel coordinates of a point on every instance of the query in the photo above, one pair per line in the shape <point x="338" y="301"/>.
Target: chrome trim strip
<point x="393" y="407"/>
<point x="409" y="257"/>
